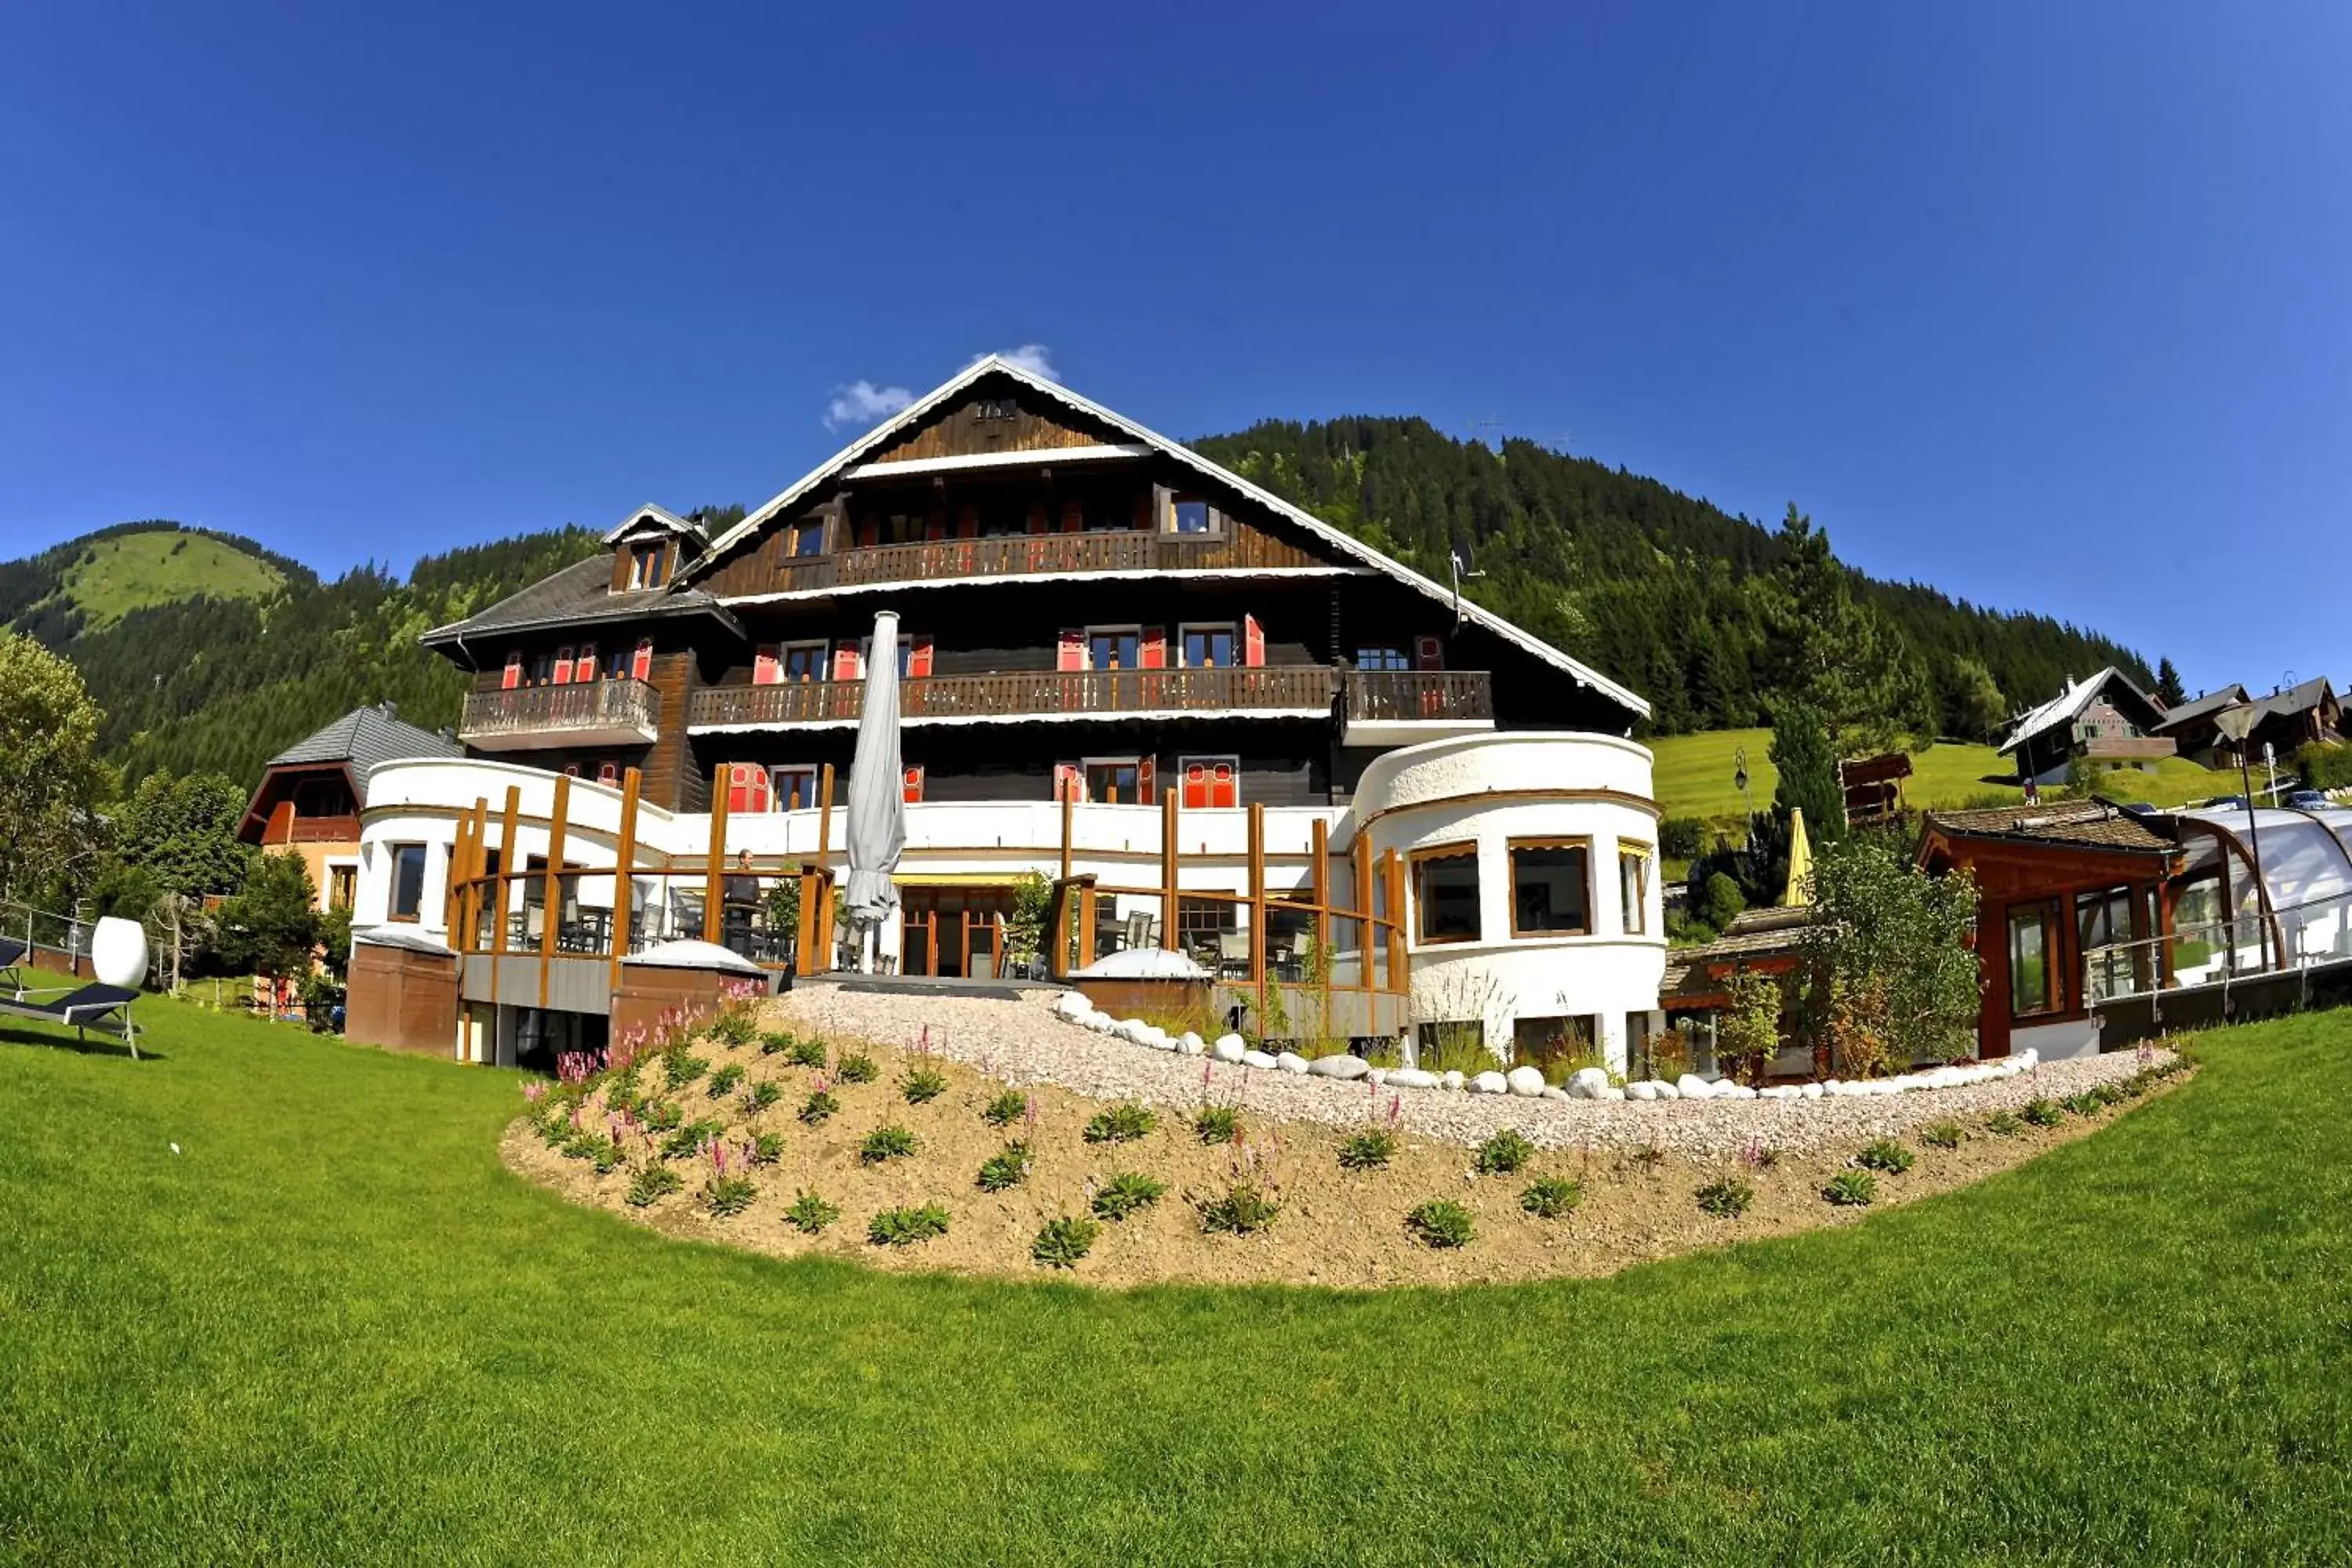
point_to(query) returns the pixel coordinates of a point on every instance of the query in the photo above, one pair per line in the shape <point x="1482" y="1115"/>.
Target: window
<point x="804" y="661"/>
<point x="1383" y="657"/>
<point x="997" y="408"/>
<point x="1551" y="888"/>
<point x="1114" y="647"/>
<point x="793" y="788"/>
<point x="407" y="880"/>
<point x="808" y="536"/>
<point x="648" y="564"/>
<point x="1540" y="1042"/>
<point x="1210" y="782"/>
<point x="1634" y="886"/>
<point x="1114" y="781"/>
<point x="1445" y="886"/>
<point x="342" y="886"/>
<point x="2032" y="971"/>
<point x="1191" y="514"/>
<point x="2103" y="918"/>
<point x="1207" y="648"/>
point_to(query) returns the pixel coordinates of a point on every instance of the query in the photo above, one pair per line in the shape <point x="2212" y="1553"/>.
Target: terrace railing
<point x="1017" y="693"/>
<point x="1377" y="696"/>
<point x="2217" y="952"/>
<point x="621" y="706"/>
<point x="1030" y="555"/>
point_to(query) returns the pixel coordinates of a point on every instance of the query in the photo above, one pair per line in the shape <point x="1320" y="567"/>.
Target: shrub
<point x="763" y="1094"/>
<point x="1242" y="1209"/>
<point x="1750" y="1034"/>
<point x="2041" y="1113"/>
<point x="893" y="1143"/>
<point x="1944" y="1134"/>
<point x="1366" y="1151"/>
<point x="1885" y="1154"/>
<point x="1004" y="1168"/>
<point x="1441" y="1222"/>
<point x="1124" y="1194"/>
<point x="807" y="1054"/>
<point x="1852" y="1189"/>
<point x="1726" y="1197"/>
<point x="811" y="1214"/>
<point x="903" y="1227"/>
<point x="735" y="1027"/>
<point x="688" y="1138"/>
<point x="1505" y="1153"/>
<point x="1551" y="1197"/>
<point x="608" y="1158"/>
<point x="1064" y="1241"/>
<point x="582" y="1146"/>
<point x="764" y="1148"/>
<point x="922" y="1084"/>
<point x="857" y="1068"/>
<point x="1005" y="1108"/>
<point x="726" y="1196"/>
<point x="1120" y="1124"/>
<point x="2004" y="1124"/>
<point x="1216" y="1124"/>
<point x="662" y="1115"/>
<point x="1718" y="900"/>
<point x="652" y="1182"/>
<point x="1758" y="1155"/>
<point x="776" y="1042"/>
<point x="817" y="1107"/>
<point x="682" y="1067"/>
<point x="726" y="1080"/>
<point x="1682" y="837"/>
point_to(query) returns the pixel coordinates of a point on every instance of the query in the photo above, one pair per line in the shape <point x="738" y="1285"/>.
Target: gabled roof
<point x="922" y="408"/>
<point x="2300" y="698"/>
<point x="2203" y="707"/>
<point x="2083" y="824"/>
<point x="661" y="517"/>
<point x="2064" y="708"/>
<point x="364" y="738"/>
<point x="580" y="593"/>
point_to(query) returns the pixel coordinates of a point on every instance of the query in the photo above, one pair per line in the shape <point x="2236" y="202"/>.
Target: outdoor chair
<point x="106" y="1008"/>
<point x="12" y="954"/>
<point x="1232" y="954"/>
<point x="1139" y="930"/>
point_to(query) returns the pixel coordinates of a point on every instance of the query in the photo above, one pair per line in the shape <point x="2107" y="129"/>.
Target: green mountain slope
<point x="133" y="572"/>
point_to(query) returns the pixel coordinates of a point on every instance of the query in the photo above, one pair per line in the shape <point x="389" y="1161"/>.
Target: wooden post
<point x="807" y="955"/>
<point x="624" y="862"/>
<point x="1069" y="804"/>
<point x="1057" y="956"/>
<point x="1400" y="981"/>
<point x="1258" y="904"/>
<point x="824" y="815"/>
<point x="1085" y="921"/>
<point x="550" y="897"/>
<point x="482" y="869"/>
<point x="714" y="875"/>
<point x="1320" y="849"/>
<point x="1168" y="870"/>
<point x="454" y="894"/>
<point x="499" y="887"/>
<point x="1366" y="932"/>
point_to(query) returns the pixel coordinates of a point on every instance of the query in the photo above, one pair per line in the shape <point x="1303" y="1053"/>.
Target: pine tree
<point x="1808" y="767"/>
<point x="2168" y="684"/>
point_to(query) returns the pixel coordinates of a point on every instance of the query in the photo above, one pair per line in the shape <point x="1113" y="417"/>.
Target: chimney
<point x="390" y="709"/>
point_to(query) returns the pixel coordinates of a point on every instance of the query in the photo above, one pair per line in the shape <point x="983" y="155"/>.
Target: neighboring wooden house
<point x="1697" y="986"/>
<point x="310" y="795"/>
<point x="2194" y="727"/>
<point x="2106" y="719"/>
<point x="2292" y="717"/>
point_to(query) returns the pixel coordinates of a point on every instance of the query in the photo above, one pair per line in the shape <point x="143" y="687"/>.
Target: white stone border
<point x="1589" y="1083"/>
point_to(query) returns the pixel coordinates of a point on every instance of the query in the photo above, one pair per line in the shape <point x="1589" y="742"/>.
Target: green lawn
<point x="332" y="1329"/>
<point x="1694" y="775"/>
<point x="132" y="570"/>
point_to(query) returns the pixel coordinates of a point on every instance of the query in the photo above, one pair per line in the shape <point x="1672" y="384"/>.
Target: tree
<point x="50" y="777"/>
<point x="1888" y="958"/>
<point x="182" y="832"/>
<point x="1972" y="703"/>
<point x="1719" y="901"/>
<point x="1833" y="654"/>
<point x="272" y="924"/>
<point x="1809" y="779"/>
<point x="2167" y="684"/>
<point x="1750" y="1034"/>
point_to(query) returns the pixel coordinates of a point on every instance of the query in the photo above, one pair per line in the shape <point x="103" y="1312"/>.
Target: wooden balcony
<point x="1269" y="691"/>
<point x="619" y="713"/>
<point x="1398" y="706"/>
<point x="1014" y="555"/>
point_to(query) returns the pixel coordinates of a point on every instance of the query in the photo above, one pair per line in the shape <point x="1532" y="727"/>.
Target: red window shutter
<point x="1225" y="788"/>
<point x="935" y="526"/>
<point x="1196" y="786"/>
<point x="844" y="662"/>
<point x="765" y="669"/>
<point x="1074" y="517"/>
<point x="914" y="786"/>
<point x="513" y="676"/>
<point x="1070" y="783"/>
<point x="1428" y="653"/>
<point x="1252" y="642"/>
<point x="564" y="665"/>
<point x="608" y="773"/>
<point x="1037" y="521"/>
<point x="572" y="770"/>
<point x="585" y="670"/>
<point x="968" y="523"/>
<point x="1146" y="777"/>
<point x="1155" y="647"/>
<point x="1070" y="653"/>
<point x="919" y="658"/>
<point x="641" y="663"/>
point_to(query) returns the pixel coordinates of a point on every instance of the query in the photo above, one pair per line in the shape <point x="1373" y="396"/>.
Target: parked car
<point x="2223" y="803"/>
<point x="2305" y="799"/>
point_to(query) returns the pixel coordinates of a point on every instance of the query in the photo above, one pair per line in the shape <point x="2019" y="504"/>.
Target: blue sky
<point x="2043" y="304"/>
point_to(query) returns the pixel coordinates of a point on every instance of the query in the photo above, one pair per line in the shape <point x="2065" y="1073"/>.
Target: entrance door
<point x="952" y="932"/>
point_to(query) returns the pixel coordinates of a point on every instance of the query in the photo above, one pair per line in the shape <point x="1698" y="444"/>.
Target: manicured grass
<point x="1694" y="773"/>
<point x="334" y="1328"/>
<point x="135" y="570"/>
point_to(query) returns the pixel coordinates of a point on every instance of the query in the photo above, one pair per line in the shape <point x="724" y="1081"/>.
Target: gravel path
<point x="1022" y="1041"/>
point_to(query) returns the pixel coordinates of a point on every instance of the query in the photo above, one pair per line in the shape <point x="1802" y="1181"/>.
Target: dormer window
<point x="998" y="408"/>
<point x="648" y="564"/>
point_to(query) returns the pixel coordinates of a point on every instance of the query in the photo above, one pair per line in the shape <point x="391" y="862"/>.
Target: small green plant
<point x="1216" y="1124"/>
<point x="1006" y="1109"/>
<point x="664" y="1114"/>
<point x="1503" y="1153"/>
<point x="1126" y="1192"/>
<point x="1441" y="1222"/>
<point x="728" y="1196"/>
<point x="806" y="1053"/>
<point x="652" y="1184"/>
<point x="1726" y="1197"/>
<point x="1064" y="1241"/>
<point x="1852" y="1189"/>
<point x="1120" y="1124"/>
<point x="905" y="1226"/>
<point x="735" y="1027"/>
<point x="688" y="1138"/>
<point x="922" y="1084"/>
<point x="857" y="1068"/>
<point x="776" y="1043"/>
<point x="608" y="1158"/>
<point x="2086" y="1103"/>
<point x="2004" y="1124"/>
<point x="1367" y="1149"/>
<point x="766" y="1148"/>
<point x="726" y="1080"/>
<point x="2111" y="1093"/>
<point x="1945" y="1134"/>
<point x="582" y="1146"/>
<point x="883" y="1144"/>
<point x="1885" y="1154"/>
<point x="818" y="1107"/>
<point x="682" y="1067"/>
<point x="1004" y="1168"/>
<point x="811" y="1214"/>
<point x="763" y="1094"/>
<point x="1549" y="1198"/>
<point x="2041" y="1113"/>
<point x="1243" y="1209"/>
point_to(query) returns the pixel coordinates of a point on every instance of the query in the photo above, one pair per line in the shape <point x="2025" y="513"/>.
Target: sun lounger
<point x="106" y="1008"/>
<point x="12" y="954"/>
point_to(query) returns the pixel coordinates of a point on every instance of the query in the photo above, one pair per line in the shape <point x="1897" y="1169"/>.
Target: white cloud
<point x="1034" y="358"/>
<point x="863" y="403"/>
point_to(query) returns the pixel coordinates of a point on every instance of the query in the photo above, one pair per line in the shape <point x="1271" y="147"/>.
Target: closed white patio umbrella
<point x="877" y="799"/>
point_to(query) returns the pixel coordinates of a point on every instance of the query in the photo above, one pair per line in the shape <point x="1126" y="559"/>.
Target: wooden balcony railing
<point x="623" y="707"/>
<point x="1014" y="555"/>
<point x="1387" y="696"/>
<point x="1014" y="694"/>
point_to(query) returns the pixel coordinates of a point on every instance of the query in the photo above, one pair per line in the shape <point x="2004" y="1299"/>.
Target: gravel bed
<point x="1023" y="1041"/>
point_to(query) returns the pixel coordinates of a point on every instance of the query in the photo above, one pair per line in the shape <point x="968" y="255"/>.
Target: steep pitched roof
<point x="2297" y="698"/>
<point x="2092" y="824"/>
<point x="922" y="408"/>
<point x="2203" y="707"/>
<point x="581" y="592"/>
<point x="659" y="515"/>
<point x="2068" y="705"/>
<point x="364" y="738"/>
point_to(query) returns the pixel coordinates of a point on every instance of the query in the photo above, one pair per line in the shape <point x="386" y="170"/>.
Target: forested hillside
<point x="213" y="683"/>
<point x="1663" y="592"/>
